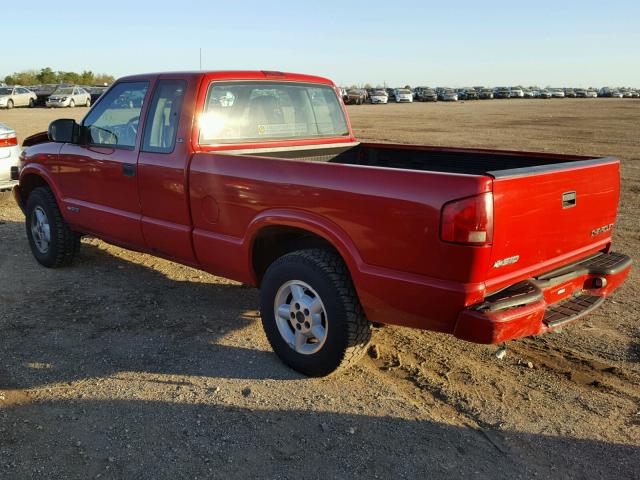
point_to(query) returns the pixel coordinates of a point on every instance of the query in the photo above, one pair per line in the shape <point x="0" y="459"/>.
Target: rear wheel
<point x="88" y="104"/>
<point x="10" y="104"/>
<point x="311" y="313"/>
<point x="52" y="242"/>
<point x="32" y="103"/>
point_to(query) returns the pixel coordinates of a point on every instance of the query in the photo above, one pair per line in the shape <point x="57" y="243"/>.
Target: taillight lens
<point x="468" y="221"/>
<point x="8" y="140"/>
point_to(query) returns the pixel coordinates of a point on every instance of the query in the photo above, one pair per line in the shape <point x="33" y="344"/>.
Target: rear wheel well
<point x="273" y="242"/>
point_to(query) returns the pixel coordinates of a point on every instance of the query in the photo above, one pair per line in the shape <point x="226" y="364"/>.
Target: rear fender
<point x="315" y="224"/>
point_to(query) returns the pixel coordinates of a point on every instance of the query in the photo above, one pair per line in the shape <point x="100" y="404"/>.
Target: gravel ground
<point x="128" y="366"/>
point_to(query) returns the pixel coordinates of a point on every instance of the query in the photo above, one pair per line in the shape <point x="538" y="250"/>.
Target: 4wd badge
<point x="597" y="231"/>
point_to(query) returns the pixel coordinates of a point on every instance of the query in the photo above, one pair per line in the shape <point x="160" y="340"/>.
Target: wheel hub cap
<point x="40" y="230"/>
<point x="301" y="317"/>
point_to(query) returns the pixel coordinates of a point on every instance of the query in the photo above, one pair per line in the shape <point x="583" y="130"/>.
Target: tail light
<point x="8" y="140"/>
<point x="468" y="221"/>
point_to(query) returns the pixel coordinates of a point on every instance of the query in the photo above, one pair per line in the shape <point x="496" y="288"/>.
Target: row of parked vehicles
<point x="427" y="94"/>
<point x="49" y="95"/>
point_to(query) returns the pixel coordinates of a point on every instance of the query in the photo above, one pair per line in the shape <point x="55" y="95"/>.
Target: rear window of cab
<point x="261" y="111"/>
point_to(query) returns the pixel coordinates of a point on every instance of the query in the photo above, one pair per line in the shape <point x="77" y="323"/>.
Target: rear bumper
<point x="545" y="303"/>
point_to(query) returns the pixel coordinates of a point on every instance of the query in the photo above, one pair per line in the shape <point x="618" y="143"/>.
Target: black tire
<point x="9" y="104"/>
<point x="348" y="330"/>
<point x="64" y="243"/>
<point x="72" y="104"/>
<point x="32" y="103"/>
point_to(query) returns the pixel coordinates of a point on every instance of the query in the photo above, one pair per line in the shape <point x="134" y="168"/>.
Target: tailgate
<point x="549" y="216"/>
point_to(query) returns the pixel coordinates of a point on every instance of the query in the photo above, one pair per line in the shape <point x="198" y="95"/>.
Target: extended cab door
<point x="163" y="169"/>
<point x="99" y="179"/>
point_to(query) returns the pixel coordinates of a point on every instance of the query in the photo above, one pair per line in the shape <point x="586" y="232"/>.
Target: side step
<point x="568" y="310"/>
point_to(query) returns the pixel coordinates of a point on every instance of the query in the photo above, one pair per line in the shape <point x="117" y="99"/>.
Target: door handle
<point x="129" y="169"/>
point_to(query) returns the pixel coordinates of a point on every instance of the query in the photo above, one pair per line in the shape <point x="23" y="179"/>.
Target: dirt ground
<point x="128" y="366"/>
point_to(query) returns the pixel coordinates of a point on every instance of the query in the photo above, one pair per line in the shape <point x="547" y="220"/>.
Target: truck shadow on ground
<point x="107" y="314"/>
<point x="158" y="440"/>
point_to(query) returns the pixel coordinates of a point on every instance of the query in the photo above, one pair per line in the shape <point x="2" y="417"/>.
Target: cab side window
<point x="163" y="116"/>
<point x="114" y="120"/>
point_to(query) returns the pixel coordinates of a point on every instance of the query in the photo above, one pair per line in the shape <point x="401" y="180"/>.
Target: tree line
<point x="47" y="75"/>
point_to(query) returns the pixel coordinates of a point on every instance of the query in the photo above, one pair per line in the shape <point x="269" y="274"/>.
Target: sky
<point x="461" y="43"/>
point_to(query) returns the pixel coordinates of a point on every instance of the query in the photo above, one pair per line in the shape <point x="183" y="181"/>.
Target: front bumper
<point x="542" y="304"/>
<point x="57" y="104"/>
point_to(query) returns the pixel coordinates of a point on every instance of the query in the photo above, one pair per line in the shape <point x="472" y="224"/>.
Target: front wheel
<point x="52" y="242"/>
<point x="72" y="104"/>
<point x="311" y="313"/>
<point x="9" y="104"/>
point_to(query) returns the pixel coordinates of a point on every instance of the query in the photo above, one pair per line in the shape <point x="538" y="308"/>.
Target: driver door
<point x="98" y="179"/>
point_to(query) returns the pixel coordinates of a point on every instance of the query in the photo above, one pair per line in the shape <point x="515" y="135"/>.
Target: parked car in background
<point x="557" y="93"/>
<point x="580" y="92"/>
<point x="379" y="96"/>
<point x="426" y="94"/>
<point x="355" y="96"/>
<point x="485" y="94"/>
<point x="616" y="94"/>
<point x="528" y="93"/>
<point x="69" y="97"/>
<point x="544" y="93"/>
<point x="9" y="156"/>
<point x="43" y="92"/>
<point x="569" y="93"/>
<point x="95" y="92"/>
<point x="391" y="93"/>
<point x="501" y="92"/>
<point x="592" y="93"/>
<point x="16" y="97"/>
<point x="516" y="92"/>
<point x="448" y="95"/>
<point x="403" y="95"/>
<point x="467" y="93"/>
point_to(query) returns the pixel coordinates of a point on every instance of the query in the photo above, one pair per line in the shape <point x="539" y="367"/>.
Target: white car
<point x="17" y="97"/>
<point x="516" y="92"/>
<point x="404" y="95"/>
<point x="9" y="155"/>
<point x="557" y="93"/>
<point x="379" y="96"/>
<point x="69" y="97"/>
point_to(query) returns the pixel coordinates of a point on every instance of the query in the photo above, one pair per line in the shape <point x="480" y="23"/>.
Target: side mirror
<point x="64" y="130"/>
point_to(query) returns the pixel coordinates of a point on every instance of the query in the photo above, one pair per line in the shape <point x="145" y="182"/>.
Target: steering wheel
<point x="133" y="124"/>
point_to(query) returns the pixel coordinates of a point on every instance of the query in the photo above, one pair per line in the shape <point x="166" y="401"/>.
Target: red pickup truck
<point x="257" y="176"/>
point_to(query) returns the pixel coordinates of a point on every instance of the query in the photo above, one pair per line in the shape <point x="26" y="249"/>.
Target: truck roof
<point x="235" y="75"/>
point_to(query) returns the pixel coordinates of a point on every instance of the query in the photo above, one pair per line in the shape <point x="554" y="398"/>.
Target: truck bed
<point x="434" y="159"/>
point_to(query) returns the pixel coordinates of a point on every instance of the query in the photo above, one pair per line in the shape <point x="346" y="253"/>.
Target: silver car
<point x="9" y="156"/>
<point x="17" y="97"/>
<point x="69" y="97"/>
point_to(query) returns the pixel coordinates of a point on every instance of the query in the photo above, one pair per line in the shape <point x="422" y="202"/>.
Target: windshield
<point x="262" y="111"/>
<point x="63" y="91"/>
<point x="404" y="91"/>
<point x="378" y="93"/>
<point x="6" y="91"/>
